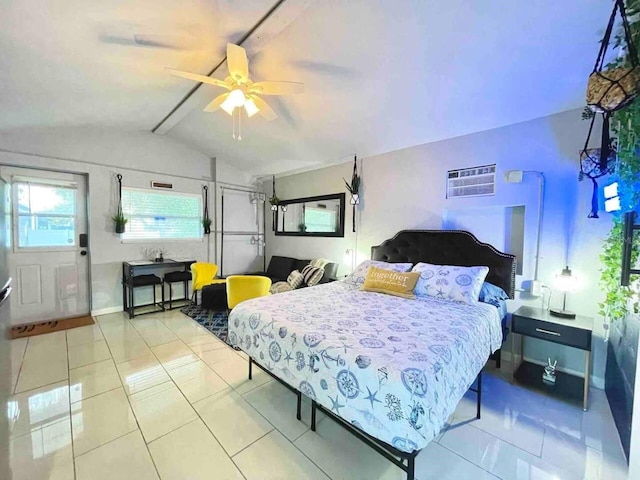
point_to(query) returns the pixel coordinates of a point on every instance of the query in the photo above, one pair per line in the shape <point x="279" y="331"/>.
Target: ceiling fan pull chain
<point x="233" y="122"/>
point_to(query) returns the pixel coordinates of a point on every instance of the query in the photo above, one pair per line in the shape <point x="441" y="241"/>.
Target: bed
<point x="391" y="370"/>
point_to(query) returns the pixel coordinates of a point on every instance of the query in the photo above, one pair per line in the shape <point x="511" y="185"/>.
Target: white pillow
<point x="358" y="275"/>
<point x="460" y="284"/>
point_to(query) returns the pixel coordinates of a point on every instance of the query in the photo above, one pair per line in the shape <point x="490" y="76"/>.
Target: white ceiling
<point x="380" y="75"/>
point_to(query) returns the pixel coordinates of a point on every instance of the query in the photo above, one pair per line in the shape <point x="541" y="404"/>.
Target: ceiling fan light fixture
<point x="237" y="98"/>
<point x="251" y="107"/>
<point x="228" y="105"/>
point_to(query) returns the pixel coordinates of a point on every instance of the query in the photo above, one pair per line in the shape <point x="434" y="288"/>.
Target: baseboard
<point x="105" y="311"/>
<point x="596" y="382"/>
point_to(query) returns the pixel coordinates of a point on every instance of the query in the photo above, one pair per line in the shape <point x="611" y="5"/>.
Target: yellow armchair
<point x="246" y="287"/>
<point x="203" y="274"/>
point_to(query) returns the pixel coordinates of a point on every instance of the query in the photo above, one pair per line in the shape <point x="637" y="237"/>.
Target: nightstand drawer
<point x="552" y="332"/>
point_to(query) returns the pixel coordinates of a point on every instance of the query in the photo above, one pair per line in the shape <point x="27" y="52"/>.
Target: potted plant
<point x="274" y="201"/>
<point x="354" y="186"/>
<point x="120" y="221"/>
<point x="206" y="225"/>
<point x="302" y="227"/>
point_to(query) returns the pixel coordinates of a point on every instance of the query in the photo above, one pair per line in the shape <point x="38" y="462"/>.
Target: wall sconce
<point x="355" y="199"/>
<point x="565" y="282"/>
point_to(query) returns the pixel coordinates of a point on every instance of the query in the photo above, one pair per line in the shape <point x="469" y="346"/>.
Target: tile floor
<point x="160" y="397"/>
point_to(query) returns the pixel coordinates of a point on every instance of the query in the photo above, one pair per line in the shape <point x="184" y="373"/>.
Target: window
<point x="45" y="214"/>
<point x="320" y="220"/>
<point x="161" y="215"/>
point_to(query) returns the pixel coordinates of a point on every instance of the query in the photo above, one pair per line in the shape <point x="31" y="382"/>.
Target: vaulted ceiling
<point x="380" y="75"/>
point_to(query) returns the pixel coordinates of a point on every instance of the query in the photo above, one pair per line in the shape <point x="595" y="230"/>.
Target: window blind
<point x="161" y="215"/>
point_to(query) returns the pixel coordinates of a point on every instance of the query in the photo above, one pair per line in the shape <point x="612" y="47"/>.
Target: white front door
<point x="49" y="256"/>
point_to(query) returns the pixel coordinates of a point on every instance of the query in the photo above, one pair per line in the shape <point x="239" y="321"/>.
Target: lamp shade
<point x="566" y="281"/>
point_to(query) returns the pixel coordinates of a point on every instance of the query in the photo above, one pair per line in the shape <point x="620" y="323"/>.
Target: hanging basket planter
<point x="119" y="219"/>
<point x="274" y="201"/>
<point x="206" y="220"/>
<point x="354" y="189"/>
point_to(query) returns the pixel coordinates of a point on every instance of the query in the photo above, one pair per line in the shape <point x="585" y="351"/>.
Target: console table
<point x="129" y="270"/>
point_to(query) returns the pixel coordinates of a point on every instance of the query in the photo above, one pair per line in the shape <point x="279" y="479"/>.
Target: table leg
<point x="587" y="372"/>
<point x="513" y="355"/>
<point x="124" y="290"/>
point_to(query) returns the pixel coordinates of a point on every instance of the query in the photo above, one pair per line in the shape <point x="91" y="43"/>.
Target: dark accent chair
<point x="280" y="267"/>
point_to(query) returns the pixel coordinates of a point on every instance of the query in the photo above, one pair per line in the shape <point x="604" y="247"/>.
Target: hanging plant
<point x="625" y="123"/>
<point x="274" y="201"/>
<point x="354" y="189"/>
<point x="119" y="219"/>
<point x="206" y="221"/>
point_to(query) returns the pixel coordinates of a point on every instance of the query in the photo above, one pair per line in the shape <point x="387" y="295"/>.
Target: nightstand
<point x="575" y="333"/>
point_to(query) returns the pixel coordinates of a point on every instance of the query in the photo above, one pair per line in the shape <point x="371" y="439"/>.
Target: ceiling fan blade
<point x="277" y="88"/>
<point x="265" y="111"/>
<point x="237" y="62"/>
<point x="198" y="78"/>
<point x="215" y="104"/>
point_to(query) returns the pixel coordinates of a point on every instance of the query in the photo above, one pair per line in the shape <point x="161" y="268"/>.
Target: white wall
<point x="140" y="158"/>
<point x="405" y="189"/>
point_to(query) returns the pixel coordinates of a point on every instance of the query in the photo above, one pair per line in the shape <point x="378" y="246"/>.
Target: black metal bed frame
<point x="389" y="452"/>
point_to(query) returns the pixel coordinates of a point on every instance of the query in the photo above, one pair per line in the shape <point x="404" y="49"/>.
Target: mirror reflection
<point x="313" y="216"/>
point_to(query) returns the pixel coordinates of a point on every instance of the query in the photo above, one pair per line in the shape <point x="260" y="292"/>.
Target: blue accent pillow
<point x="490" y="293"/>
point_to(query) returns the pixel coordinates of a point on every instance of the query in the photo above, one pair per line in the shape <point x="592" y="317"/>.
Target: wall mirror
<point x="321" y="216"/>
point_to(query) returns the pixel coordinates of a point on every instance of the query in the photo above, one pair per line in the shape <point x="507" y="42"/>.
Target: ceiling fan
<point x="242" y="92"/>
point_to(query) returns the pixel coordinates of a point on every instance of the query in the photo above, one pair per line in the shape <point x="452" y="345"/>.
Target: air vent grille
<point x="162" y="185"/>
<point x="471" y="182"/>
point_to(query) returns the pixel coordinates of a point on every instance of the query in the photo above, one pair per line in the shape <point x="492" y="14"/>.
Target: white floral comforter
<point x="393" y="367"/>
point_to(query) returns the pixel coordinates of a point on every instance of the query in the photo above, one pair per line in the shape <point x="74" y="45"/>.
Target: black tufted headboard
<point x="449" y="247"/>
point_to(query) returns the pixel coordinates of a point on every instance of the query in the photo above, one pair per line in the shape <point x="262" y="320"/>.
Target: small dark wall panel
<point x="622" y="353"/>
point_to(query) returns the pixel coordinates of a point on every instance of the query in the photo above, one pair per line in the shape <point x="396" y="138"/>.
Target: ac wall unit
<point x="471" y="182"/>
<point x="162" y="185"/>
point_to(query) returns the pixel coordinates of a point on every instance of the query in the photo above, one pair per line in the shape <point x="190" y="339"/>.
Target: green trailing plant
<point x="625" y="124"/>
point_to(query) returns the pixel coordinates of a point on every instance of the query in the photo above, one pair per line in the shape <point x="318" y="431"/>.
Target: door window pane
<point x="39" y="199"/>
<point x="46" y="215"/>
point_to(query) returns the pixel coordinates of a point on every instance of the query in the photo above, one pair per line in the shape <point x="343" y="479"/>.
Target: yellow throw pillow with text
<point x="389" y="282"/>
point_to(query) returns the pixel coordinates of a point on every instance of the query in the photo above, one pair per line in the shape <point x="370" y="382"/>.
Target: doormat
<point x="38" y="328"/>
<point x="218" y="324"/>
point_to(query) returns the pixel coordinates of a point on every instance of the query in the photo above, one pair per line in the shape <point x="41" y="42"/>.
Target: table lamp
<point x="565" y="282"/>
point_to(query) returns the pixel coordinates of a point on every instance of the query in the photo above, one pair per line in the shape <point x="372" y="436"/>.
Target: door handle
<point x="83" y="252"/>
<point x="5" y="294"/>
<point x="548" y="332"/>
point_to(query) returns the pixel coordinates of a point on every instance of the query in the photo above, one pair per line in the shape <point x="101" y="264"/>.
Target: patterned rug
<point x="218" y="325"/>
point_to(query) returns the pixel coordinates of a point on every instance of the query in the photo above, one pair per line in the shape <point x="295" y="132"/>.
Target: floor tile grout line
<point x="73" y="447"/>
<point x="146" y="445"/>
<point x="469" y="461"/>
<point x="24" y="354"/>
<point x="498" y="438"/>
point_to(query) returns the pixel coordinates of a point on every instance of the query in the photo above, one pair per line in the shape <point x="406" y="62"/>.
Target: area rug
<point x="218" y="324"/>
<point x="48" y="326"/>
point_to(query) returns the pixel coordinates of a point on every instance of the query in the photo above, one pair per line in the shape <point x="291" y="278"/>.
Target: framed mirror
<point x="321" y="216"/>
